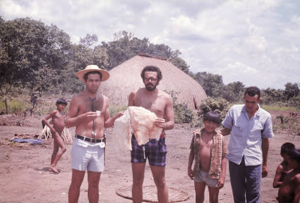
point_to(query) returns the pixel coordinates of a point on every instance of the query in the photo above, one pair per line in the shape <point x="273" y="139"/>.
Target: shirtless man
<point x="161" y="104"/>
<point x="89" y="113"/>
<point x="289" y="191"/>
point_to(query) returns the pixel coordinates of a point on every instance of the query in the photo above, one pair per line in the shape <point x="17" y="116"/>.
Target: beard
<point x="150" y="87"/>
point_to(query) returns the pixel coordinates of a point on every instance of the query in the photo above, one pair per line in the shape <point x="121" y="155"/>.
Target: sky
<point x="256" y="42"/>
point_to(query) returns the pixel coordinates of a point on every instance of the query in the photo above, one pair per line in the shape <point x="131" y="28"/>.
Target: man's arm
<point x="225" y="131"/>
<point x="265" y="150"/>
<point x="108" y="122"/>
<point x="131" y="98"/>
<point x="169" y="116"/>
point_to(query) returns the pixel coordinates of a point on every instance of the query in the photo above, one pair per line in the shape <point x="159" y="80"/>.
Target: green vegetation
<point x="15" y="105"/>
<point x="280" y="108"/>
<point x="114" y="109"/>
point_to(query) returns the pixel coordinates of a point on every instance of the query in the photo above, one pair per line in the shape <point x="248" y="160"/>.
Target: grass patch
<point x="279" y="108"/>
<point x="14" y="106"/>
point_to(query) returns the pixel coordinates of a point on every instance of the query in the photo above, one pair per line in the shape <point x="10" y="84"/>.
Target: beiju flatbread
<point x="141" y="121"/>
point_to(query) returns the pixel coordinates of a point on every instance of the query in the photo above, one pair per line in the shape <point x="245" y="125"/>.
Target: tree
<point x="124" y="47"/>
<point x="211" y="83"/>
<point x="271" y="96"/>
<point x="89" y="40"/>
<point x="233" y="92"/>
<point x="291" y="90"/>
<point x="32" y="54"/>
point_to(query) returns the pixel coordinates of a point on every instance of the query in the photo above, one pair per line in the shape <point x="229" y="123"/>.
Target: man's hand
<point x="264" y="172"/>
<point x="121" y="113"/>
<point x="160" y="122"/>
<point x="93" y="114"/>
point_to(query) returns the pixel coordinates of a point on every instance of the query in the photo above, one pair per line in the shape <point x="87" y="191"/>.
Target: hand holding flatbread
<point x="144" y="123"/>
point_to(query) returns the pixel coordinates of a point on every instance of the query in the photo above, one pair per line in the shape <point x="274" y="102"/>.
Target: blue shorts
<point x="87" y="156"/>
<point x="154" y="150"/>
<point x="202" y="176"/>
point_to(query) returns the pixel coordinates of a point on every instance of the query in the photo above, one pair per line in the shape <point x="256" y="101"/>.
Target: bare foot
<point x="53" y="169"/>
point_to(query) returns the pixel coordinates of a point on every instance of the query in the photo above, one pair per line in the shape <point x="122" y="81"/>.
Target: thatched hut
<point x="126" y="77"/>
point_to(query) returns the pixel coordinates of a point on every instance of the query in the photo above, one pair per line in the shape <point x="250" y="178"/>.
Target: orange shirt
<point x="217" y="151"/>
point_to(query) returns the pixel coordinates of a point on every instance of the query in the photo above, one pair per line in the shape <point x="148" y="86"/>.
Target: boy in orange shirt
<point x="208" y="149"/>
<point x="56" y="130"/>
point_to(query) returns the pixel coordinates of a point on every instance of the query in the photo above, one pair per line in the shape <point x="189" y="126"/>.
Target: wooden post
<point x="6" y="106"/>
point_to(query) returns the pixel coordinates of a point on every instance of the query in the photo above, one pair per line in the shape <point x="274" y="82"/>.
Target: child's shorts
<point x="87" y="156"/>
<point x="154" y="150"/>
<point x="202" y="176"/>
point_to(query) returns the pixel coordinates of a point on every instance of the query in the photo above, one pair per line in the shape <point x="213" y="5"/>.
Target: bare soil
<point x="24" y="175"/>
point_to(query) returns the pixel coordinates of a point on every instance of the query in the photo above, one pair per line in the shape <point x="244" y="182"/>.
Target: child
<point x="289" y="191"/>
<point x="56" y="130"/>
<point x="208" y="149"/>
<point x="283" y="169"/>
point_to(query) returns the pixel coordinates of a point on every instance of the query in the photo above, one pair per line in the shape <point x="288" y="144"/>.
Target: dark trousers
<point x="245" y="182"/>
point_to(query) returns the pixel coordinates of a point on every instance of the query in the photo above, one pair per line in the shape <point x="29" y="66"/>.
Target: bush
<point x="182" y="114"/>
<point x="114" y="109"/>
<point x="220" y="106"/>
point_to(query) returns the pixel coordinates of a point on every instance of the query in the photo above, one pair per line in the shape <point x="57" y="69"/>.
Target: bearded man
<point x="155" y="151"/>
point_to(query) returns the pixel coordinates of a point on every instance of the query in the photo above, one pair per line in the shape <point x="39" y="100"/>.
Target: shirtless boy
<point x="161" y="104"/>
<point x="289" y="191"/>
<point x="56" y="130"/>
<point x="283" y="169"/>
<point x="208" y="149"/>
<point x="89" y="113"/>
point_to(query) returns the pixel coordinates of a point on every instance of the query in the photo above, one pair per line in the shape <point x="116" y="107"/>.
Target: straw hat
<point x="90" y="68"/>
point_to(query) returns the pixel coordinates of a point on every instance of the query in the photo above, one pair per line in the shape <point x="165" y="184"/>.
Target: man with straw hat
<point x="89" y="113"/>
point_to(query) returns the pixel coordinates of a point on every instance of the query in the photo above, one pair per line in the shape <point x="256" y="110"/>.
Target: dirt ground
<point x="24" y="175"/>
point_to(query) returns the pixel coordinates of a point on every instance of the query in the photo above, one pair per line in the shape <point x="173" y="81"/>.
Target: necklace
<point x="93" y="109"/>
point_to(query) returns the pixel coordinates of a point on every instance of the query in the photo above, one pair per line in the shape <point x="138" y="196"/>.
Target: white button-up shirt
<point x="246" y="134"/>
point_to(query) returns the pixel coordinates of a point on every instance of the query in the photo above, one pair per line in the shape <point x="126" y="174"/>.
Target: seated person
<point x="289" y="191"/>
<point x="283" y="169"/>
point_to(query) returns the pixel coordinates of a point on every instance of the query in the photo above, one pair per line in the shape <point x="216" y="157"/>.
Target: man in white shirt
<point x="250" y="127"/>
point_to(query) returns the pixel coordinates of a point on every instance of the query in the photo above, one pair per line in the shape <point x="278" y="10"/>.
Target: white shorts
<point x="87" y="156"/>
<point x="202" y="176"/>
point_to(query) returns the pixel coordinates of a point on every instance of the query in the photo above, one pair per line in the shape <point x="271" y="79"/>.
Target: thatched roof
<point x="126" y="77"/>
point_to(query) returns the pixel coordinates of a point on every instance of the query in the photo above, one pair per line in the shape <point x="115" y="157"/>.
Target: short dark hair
<point x="85" y="77"/>
<point x="61" y="101"/>
<point x="252" y="91"/>
<point x="286" y="147"/>
<point x="213" y="117"/>
<point x="294" y="155"/>
<point x="152" y="69"/>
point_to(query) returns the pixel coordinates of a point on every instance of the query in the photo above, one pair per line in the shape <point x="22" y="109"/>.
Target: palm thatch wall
<point x="126" y="77"/>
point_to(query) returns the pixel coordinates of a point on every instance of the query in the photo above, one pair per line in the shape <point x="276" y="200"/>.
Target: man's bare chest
<point x="95" y="104"/>
<point x="156" y="106"/>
